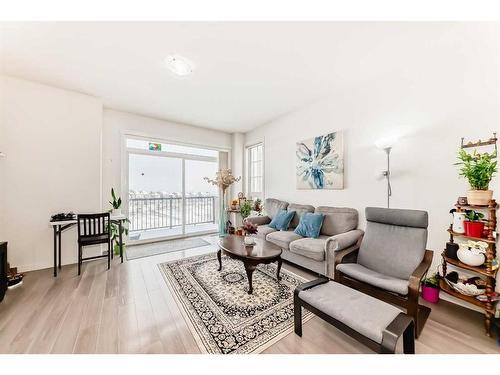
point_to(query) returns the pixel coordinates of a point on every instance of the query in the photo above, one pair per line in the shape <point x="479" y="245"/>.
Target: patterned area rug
<point x="222" y="316"/>
<point x="147" y="250"/>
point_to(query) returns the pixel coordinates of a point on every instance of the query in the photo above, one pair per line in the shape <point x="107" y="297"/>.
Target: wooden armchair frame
<point x="418" y="312"/>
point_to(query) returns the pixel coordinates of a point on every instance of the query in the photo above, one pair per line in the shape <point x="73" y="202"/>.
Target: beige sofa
<point x="339" y="231"/>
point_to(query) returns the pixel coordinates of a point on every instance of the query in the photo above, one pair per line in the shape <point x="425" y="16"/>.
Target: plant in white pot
<point x="479" y="169"/>
<point x="248" y="229"/>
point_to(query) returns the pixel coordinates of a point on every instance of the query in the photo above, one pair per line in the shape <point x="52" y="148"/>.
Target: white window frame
<point x="248" y="162"/>
<point x="125" y="151"/>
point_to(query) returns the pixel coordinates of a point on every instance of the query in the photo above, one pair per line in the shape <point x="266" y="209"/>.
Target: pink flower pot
<point x="430" y="294"/>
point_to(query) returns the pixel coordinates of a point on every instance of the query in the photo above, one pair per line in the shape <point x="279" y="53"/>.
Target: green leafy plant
<point x="477" y="168"/>
<point x="115" y="235"/>
<point x="472" y="215"/>
<point x="432" y="281"/>
<point x="117" y="202"/>
<point x="114" y="229"/>
<point x="246" y="209"/>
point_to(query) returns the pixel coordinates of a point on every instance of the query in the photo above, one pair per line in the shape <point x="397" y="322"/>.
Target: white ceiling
<point x="246" y="73"/>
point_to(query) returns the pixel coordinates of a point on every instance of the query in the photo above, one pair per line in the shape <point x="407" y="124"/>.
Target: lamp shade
<point x="386" y="142"/>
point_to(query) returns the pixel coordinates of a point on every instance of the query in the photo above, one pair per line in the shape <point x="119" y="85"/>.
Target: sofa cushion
<point x="299" y="209"/>
<point x="273" y="206"/>
<point x="283" y="238"/>
<point x="363" y="313"/>
<point x="258" y="220"/>
<point x="361" y="273"/>
<point x="313" y="248"/>
<point x="337" y="220"/>
<point x="310" y="225"/>
<point x="394" y="241"/>
<point x="264" y="230"/>
<point x="282" y="220"/>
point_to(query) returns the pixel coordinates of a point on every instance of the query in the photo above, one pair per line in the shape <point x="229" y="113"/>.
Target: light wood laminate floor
<point x="129" y="309"/>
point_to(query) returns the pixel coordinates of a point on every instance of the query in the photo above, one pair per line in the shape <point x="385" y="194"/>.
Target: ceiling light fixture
<point x="179" y="65"/>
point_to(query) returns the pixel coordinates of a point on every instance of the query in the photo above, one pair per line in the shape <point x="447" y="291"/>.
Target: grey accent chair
<point x="391" y="261"/>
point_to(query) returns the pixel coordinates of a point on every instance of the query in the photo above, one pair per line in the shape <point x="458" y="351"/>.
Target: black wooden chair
<point x="93" y="229"/>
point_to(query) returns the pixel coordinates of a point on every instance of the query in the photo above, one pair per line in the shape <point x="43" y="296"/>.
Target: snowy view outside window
<point x="156" y="204"/>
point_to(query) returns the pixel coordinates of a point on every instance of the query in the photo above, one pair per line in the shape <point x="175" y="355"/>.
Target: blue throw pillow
<point x="309" y="225"/>
<point x="282" y="220"/>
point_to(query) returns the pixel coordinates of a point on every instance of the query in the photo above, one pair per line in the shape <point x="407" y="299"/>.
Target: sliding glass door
<point x="168" y="197"/>
<point x="200" y="198"/>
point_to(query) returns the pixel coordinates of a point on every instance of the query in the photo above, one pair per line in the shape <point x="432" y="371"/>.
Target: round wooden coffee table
<point x="263" y="252"/>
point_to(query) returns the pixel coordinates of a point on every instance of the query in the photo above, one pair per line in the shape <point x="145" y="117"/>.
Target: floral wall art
<point x="320" y="162"/>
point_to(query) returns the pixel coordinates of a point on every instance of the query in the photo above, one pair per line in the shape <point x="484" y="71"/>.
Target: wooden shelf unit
<point x="472" y="300"/>
<point x="484" y="270"/>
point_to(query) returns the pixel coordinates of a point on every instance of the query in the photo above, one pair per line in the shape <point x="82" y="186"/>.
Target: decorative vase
<point x="451" y="250"/>
<point x="470" y="258"/>
<point x="117" y="211"/>
<point x="479" y="197"/>
<point x="222" y="214"/>
<point x="248" y="240"/>
<point x="430" y="294"/>
<point x="458" y="222"/>
<point x="474" y="228"/>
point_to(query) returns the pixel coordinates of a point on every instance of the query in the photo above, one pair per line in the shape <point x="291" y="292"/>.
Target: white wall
<point x="237" y="162"/>
<point x="117" y="123"/>
<point x="52" y="141"/>
<point x="430" y="104"/>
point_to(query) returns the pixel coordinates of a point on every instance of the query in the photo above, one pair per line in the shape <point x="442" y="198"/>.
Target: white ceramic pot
<point x="479" y="197"/>
<point x="117" y="211"/>
<point x="248" y="240"/>
<point x="470" y="258"/>
<point x="458" y="222"/>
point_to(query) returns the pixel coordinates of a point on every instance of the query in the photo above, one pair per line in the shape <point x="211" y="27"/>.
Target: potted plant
<point x="245" y="209"/>
<point x="473" y="225"/>
<point x="116" y="203"/>
<point x="249" y="228"/>
<point x="479" y="169"/>
<point x="430" y="288"/>
<point x="115" y="235"/>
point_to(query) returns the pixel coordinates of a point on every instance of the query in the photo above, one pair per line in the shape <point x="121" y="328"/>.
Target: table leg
<point x="55" y="250"/>
<point x="59" y="244"/>
<point x="249" y="270"/>
<point x="219" y="258"/>
<point x="279" y="269"/>
<point x="121" y="240"/>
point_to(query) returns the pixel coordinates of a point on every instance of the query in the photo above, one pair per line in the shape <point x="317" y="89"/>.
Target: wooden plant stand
<point x="484" y="270"/>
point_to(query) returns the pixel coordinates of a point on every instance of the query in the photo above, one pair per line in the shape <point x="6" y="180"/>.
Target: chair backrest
<point x="93" y="225"/>
<point x="337" y="219"/>
<point x="299" y="209"/>
<point x="273" y="206"/>
<point x="394" y="242"/>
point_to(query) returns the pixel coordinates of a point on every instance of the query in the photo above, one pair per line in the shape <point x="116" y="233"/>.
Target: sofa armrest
<point x="344" y="240"/>
<point x="258" y="220"/>
<point x="341" y="246"/>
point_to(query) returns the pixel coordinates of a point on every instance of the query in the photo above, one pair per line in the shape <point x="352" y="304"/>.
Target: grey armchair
<point x="391" y="261"/>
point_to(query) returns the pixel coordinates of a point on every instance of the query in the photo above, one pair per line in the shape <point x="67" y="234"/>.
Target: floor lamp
<point x="386" y="144"/>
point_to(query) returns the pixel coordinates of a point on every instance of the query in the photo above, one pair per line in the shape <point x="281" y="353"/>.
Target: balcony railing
<point x="167" y="212"/>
